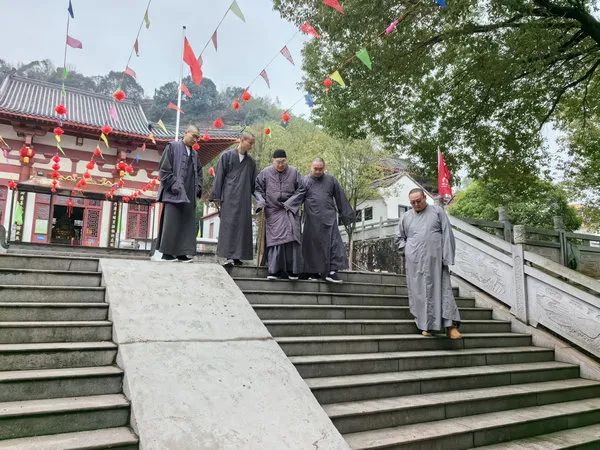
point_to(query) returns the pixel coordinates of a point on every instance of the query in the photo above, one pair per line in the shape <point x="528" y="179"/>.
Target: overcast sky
<point x="35" y="29"/>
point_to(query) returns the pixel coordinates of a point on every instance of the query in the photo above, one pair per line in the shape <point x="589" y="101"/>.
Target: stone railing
<point x="536" y="289"/>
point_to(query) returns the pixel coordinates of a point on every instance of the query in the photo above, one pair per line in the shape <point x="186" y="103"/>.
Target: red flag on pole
<point x="263" y="74"/>
<point x="335" y="4"/>
<point x="185" y="90"/>
<point x="444" y="176"/>
<point x="190" y="59"/>
<point x="174" y="107"/>
<point x="74" y="43"/>
<point x="287" y="55"/>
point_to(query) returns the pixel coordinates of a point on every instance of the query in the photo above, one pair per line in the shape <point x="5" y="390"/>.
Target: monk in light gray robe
<point x="323" y="250"/>
<point x="275" y="185"/>
<point x="232" y="193"/>
<point x="425" y="235"/>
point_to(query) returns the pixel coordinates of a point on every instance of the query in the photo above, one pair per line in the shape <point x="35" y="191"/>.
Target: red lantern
<point x="12" y="185"/>
<point x="90" y="165"/>
<point x="218" y="123"/>
<point x="125" y="199"/>
<point x="267" y="131"/>
<point x="206" y="137"/>
<point x="26" y="154"/>
<point x="86" y="175"/>
<point x="235" y="105"/>
<point x="106" y="130"/>
<point x="196" y="147"/>
<point x="58" y="131"/>
<point x="327" y="82"/>
<point x="55" y="167"/>
<point x="211" y="171"/>
<point x="129" y="169"/>
<point x="55" y="175"/>
<point x="60" y="109"/>
<point x="246" y="96"/>
<point x="285" y="117"/>
<point x="119" y="95"/>
<point x="54" y="183"/>
<point x="56" y="158"/>
<point x="53" y="189"/>
<point x="98" y="152"/>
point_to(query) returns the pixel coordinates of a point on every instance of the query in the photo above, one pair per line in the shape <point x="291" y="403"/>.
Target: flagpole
<point x="179" y="87"/>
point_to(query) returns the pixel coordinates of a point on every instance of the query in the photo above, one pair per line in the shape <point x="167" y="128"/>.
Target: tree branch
<point x="589" y="25"/>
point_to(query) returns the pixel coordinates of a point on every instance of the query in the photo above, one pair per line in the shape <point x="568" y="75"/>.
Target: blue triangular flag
<point x="309" y="100"/>
<point x="137" y="158"/>
<point x="441" y="3"/>
<point x="70" y="9"/>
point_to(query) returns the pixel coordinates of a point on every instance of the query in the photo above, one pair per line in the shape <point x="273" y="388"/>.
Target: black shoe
<point x="237" y="262"/>
<point x="169" y="258"/>
<point x="333" y="278"/>
<point x="293" y="276"/>
<point x="272" y="277"/>
<point x="185" y="259"/>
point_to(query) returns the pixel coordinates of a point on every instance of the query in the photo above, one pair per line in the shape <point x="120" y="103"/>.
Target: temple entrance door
<point x="91" y="223"/>
<point x="66" y="228"/>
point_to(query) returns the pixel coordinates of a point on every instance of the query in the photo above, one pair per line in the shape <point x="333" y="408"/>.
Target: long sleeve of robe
<point x="165" y="168"/>
<point x="428" y="245"/>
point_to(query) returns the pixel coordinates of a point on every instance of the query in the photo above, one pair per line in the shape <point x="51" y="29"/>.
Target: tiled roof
<point x="37" y="99"/>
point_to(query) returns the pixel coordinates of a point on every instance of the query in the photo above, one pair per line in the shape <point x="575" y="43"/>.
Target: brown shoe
<point x="453" y="333"/>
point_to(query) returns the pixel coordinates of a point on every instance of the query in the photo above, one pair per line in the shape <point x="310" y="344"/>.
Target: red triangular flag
<point x="185" y="90"/>
<point x="307" y="28"/>
<point x="286" y="53"/>
<point x="444" y="175"/>
<point x="136" y="47"/>
<point x="265" y="77"/>
<point x="214" y="39"/>
<point x="190" y="59"/>
<point x="72" y="42"/>
<point x="335" y="4"/>
<point x="174" y="107"/>
<point x="129" y="71"/>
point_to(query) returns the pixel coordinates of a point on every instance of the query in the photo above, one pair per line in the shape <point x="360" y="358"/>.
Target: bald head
<point x="191" y="135"/>
<point x="317" y="167"/>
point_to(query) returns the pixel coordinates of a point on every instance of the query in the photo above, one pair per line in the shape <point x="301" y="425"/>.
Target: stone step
<point x="121" y="438"/>
<point x="356" y="277"/>
<point x="349" y="327"/>
<point x="274" y="311"/>
<point x="582" y="438"/>
<point x="55" y="331"/>
<point x="62" y="415"/>
<point x="24" y="261"/>
<point x="33" y="277"/>
<point x="261" y="284"/>
<point x="362" y="363"/>
<point x="51" y="294"/>
<point x="482" y="429"/>
<point x="32" y="311"/>
<point x="352" y="417"/>
<point x="56" y="355"/>
<point x="392" y="384"/>
<point x="323" y="298"/>
<point x="57" y="383"/>
<point x="334" y="345"/>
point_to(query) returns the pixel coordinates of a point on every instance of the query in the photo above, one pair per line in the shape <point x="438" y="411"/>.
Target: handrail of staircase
<point x="537" y="290"/>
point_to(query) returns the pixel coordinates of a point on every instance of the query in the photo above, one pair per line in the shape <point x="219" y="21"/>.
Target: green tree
<point x="477" y="79"/>
<point x="535" y="206"/>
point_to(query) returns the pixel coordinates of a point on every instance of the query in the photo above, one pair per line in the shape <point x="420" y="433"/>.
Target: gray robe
<point x="233" y="187"/>
<point x="322" y="246"/>
<point x="283" y="233"/>
<point x="428" y="245"/>
<point x="181" y="181"/>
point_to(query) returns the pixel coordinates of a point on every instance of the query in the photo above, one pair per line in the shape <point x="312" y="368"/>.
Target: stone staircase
<point x="385" y="386"/>
<point x="59" y="385"/>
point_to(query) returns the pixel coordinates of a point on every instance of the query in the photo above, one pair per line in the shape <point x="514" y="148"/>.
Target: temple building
<point x="103" y="212"/>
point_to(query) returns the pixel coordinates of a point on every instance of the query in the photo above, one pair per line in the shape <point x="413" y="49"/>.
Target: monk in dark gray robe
<point x="323" y="250"/>
<point x="275" y="185"/>
<point x="425" y="235"/>
<point x="180" y="184"/>
<point x="232" y="193"/>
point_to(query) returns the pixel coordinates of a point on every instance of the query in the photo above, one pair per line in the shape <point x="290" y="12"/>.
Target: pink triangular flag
<point x="335" y="4"/>
<point x="286" y="53"/>
<point x="185" y="90"/>
<point x="129" y="71"/>
<point x="214" y="39"/>
<point x="174" y="107"/>
<point x="307" y="28"/>
<point x="263" y="74"/>
<point x="112" y="112"/>
<point x="392" y="26"/>
<point x="72" y="42"/>
<point x="136" y="47"/>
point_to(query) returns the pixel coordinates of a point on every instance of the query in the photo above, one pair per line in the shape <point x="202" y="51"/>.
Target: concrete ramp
<point x="201" y="370"/>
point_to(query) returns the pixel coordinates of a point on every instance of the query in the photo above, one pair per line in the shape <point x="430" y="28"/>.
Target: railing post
<point x="507" y="230"/>
<point x="518" y="262"/>
<point x="380" y="227"/>
<point x="559" y="225"/>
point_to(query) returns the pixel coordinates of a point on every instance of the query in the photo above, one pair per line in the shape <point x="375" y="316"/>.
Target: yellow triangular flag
<point x="335" y="76"/>
<point x="60" y="148"/>
<point x="57" y="137"/>
<point x="162" y="125"/>
<point x="103" y="137"/>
